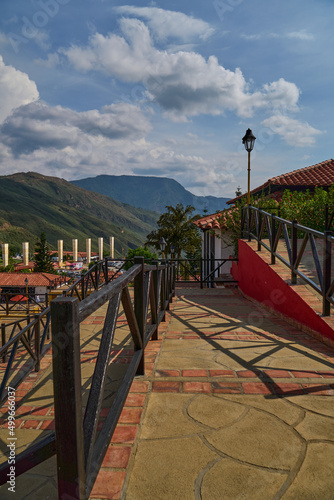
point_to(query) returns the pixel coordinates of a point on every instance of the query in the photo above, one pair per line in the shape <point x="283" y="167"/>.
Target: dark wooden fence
<point x="80" y="450"/>
<point x="260" y="225"/>
<point x="28" y="301"/>
<point x="17" y="340"/>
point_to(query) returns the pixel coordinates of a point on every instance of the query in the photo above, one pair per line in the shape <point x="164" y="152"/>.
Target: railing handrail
<point x="154" y="287"/>
<point x="326" y="285"/>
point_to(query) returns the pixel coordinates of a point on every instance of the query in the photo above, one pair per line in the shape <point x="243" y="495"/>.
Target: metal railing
<point x="202" y="271"/>
<point x="79" y="447"/>
<point x="260" y="225"/>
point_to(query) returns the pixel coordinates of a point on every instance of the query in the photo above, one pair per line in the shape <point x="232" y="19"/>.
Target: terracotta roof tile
<point x="211" y="221"/>
<point x="35" y="279"/>
<point x="321" y="174"/>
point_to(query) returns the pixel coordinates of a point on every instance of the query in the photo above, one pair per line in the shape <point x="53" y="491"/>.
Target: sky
<point x="166" y="88"/>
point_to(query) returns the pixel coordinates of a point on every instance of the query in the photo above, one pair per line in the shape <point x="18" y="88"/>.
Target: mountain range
<point x="150" y="193"/>
<point x="31" y="203"/>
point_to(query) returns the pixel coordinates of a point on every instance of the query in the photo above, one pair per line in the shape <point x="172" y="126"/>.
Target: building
<point x="37" y="284"/>
<point x="216" y="240"/>
<point x="216" y="243"/>
<point x="303" y="179"/>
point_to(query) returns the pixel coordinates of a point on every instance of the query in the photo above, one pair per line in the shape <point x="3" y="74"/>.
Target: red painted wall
<point x="259" y="281"/>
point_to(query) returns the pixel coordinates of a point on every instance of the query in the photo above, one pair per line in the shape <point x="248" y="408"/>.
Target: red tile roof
<point x="214" y="221"/>
<point x="34" y="279"/>
<point x="208" y="222"/>
<point x="321" y="174"/>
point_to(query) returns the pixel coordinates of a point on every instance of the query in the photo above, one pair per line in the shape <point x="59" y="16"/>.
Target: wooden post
<point x="67" y="398"/>
<point x="163" y="290"/>
<point x="82" y="288"/>
<point x="29" y="331"/>
<point x="293" y="252"/>
<point x="37" y="342"/>
<point x="139" y="309"/>
<point x="106" y="269"/>
<point x="3" y="341"/>
<point x="156" y="297"/>
<point x="326" y="305"/>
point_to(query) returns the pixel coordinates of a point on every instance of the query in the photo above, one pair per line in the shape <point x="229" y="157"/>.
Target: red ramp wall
<point x="258" y="280"/>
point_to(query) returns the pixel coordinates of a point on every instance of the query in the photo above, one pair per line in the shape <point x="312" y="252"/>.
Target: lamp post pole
<point x="248" y="189"/>
<point x="172" y="250"/>
<point x="248" y="141"/>
<point x="162" y="243"/>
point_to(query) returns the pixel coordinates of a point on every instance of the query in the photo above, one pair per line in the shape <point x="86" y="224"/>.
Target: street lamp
<point x="162" y="243"/>
<point x="172" y="250"/>
<point x="26" y="282"/>
<point x="248" y="141"/>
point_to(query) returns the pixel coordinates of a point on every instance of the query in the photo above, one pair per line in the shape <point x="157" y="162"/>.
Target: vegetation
<point x="30" y="202"/>
<point x="139" y="252"/>
<point x="307" y="208"/>
<point x="43" y="261"/>
<point x="151" y="193"/>
<point x="177" y="228"/>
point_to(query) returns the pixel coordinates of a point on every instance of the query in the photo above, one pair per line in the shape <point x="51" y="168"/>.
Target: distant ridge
<point x="31" y="203"/>
<point x="150" y="193"/>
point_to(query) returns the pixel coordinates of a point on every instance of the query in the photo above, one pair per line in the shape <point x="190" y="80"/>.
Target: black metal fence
<point x="204" y="272"/>
<point x="80" y="449"/>
<point x="268" y="230"/>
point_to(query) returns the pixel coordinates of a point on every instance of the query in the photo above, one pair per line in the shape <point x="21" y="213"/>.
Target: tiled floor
<point x="221" y="365"/>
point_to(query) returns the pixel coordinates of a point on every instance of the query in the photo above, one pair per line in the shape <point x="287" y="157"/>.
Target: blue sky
<point x="168" y="89"/>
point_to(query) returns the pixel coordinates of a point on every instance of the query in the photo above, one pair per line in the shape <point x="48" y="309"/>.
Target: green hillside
<point x="31" y="203"/>
<point x="150" y="193"/>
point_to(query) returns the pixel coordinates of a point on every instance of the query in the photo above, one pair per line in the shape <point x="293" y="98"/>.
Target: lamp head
<point x="248" y="140"/>
<point x="162" y="243"/>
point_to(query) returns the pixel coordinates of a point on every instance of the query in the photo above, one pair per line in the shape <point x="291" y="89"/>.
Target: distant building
<point x="38" y="283"/>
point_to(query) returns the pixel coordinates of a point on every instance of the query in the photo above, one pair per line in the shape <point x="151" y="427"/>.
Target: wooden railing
<point x="97" y="276"/>
<point x="32" y="339"/>
<point x="80" y="450"/>
<point x="28" y="301"/>
<point x="260" y="225"/>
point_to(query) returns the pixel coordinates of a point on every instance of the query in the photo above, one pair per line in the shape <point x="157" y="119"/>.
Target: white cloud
<point x="38" y="126"/>
<point x="297" y="35"/>
<point x="16" y="89"/>
<point x="52" y="61"/>
<point x="183" y="83"/>
<point x="294" y="132"/>
<point x="65" y="143"/>
<point x="166" y="23"/>
<point x="301" y="35"/>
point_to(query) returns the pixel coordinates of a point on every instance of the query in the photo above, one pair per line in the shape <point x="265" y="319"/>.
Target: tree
<point x="43" y="261"/>
<point x="177" y="227"/>
<point x="139" y="252"/>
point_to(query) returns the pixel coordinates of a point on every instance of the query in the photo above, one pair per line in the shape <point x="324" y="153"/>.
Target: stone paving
<point x="240" y="407"/>
<point x="235" y="404"/>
